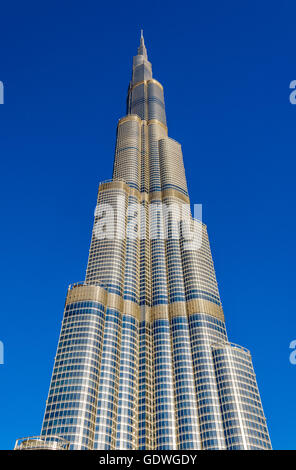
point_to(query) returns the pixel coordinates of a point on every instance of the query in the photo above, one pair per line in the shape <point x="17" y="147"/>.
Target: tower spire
<point x="142" y="48"/>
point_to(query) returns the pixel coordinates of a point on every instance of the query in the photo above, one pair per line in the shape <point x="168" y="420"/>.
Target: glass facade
<point x="143" y="360"/>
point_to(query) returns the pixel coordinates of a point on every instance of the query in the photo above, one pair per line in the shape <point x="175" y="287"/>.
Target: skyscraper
<point x="143" y="360"/>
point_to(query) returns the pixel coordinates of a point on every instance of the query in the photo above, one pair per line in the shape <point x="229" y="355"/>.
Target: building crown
<point x="142" y="48"/>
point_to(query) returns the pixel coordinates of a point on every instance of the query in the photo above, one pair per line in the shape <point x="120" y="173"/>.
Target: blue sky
<point x="226" y="68"/>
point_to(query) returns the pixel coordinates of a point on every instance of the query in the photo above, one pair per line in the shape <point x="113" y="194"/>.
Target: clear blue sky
<point x="226" y="68"/>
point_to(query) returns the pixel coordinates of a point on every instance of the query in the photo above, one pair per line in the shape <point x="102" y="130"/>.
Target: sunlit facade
<point x="143" y="359"/>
